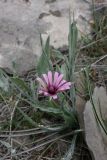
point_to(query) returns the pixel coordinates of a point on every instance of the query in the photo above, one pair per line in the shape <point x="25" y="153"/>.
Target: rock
<point x="21" y="22"/>
<point x="95" y="136"/>
<point x="17" y="59"/>
<point x="19" y="36"/>
<point x="80" y="99"/>
<point x="58" y="20"/>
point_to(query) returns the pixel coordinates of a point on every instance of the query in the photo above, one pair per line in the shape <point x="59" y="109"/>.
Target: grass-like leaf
<point x="73" y="34"/>
<point x="4" y="83"/>
<point x="20" y="84"/>
<point x="27" y="118"/>
<point x="71" y="150"/>
<point x="44" y="64"/>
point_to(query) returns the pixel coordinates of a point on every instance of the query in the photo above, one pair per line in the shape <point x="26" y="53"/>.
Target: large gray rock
<point x="19" y="36"/>
<point x="21" y="22"/>
<point x="58" y="19"/>
<point x="95" y="136"/>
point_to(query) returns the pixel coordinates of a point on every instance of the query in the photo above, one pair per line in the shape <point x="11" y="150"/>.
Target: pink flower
<point x="51" y="84"/>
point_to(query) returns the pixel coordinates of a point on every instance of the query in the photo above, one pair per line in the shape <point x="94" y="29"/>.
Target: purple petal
<point x="44" y="89"/>
<point x="68" y="83"/>
<point x="50" y="77"/>
<point x="40" y="92"/>
<point x="45" y="78"/>
<point x="62" y="82"/>
<point x="46" y="93"/>
<point x="63" y="89"/>
<point x="58" y="80"/>
<point x="55" y="77"/>
<point x="42" y="83"/>
<point x="66" y="86"/>
<point x="55" y="97"/>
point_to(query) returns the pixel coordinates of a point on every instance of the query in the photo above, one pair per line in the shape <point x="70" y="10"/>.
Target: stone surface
<point x="95" y="136"/>
<point x="80" y="81"/>
<point x="19" y="36"/>
<point x="58" y="19"/>
<point x="21" y="23"/>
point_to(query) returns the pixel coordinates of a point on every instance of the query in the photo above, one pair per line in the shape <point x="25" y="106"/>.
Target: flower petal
<point x="50" y="77"/>
<point x="40" y="92"/>
<point x="42" y="83"/>
<point x="63" y="89"/>
<point x="55" y="97"/>
<point x="66" y="86"/>
<point x="46" y="93"/>
<point x="45" y="78"/>
<point x="58" y="80"/>
<point x="56" y="74"/>
<point x="44" y="89"/>
<point x="62" y="82"/>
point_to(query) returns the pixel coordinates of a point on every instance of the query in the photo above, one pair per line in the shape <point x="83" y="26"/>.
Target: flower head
<point x="51" y="84"/>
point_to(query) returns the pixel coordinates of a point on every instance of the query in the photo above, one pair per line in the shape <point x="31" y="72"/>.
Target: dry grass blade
<point x="47" y="142"/>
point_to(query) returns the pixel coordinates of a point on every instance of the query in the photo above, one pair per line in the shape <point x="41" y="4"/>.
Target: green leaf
<point x="70" y="152"/>
<point x="20" y="84"/>
<point x="4" y="83"/>
<point x="44" y="64"/>
<point x="47" y="108"/>
<point x="73" y="35"/>
<point x="47" y="47"/>
<point x="70" y="117"/>
<point x="43" y="106"/>
<point x="54" y="129"/>
<point x="33" y="89"/>
<point x="63" y="70"/>
<point x="27" y="118"/>
<point x="58" y="54"/>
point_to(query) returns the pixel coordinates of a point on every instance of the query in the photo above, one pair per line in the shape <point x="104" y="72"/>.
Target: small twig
<point x="21" y="131"/>
<point x="102" y="58"/>
<point x="92" y="43"/>
<point x="11" y="121"/>
<point x="21" y="135"/>
<point x="48" y="142"/>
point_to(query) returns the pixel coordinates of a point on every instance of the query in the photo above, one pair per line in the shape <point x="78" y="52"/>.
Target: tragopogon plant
<point x="52" y="83"/>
